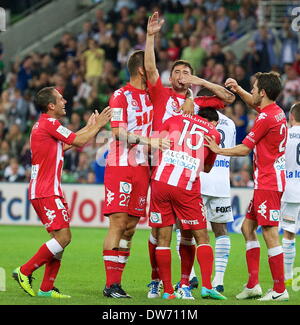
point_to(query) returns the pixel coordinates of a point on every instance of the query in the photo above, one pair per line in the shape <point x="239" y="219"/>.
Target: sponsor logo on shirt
<point x="280" y="163"/>
<point x="274" y="215"/>
<point x="262" y="116"/>
<point x="117" y="114"/>
<point x="155" y="217"/>
<point x="262" y="209"/>
<point x="289" y="219"/>
<point x="34" y="171"/>
<point x="135" y="105"/>
<point x="63" y="131"/>
<point x="125" y="187"/>
<point x="180" y="159"/>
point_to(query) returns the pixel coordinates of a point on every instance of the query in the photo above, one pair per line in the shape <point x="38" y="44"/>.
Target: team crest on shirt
<point x="134" y="104"/>
<point x="175" y="106"/>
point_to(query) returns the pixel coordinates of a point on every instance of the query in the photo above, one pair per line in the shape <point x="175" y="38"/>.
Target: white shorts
<point x="290" y="217"/>
<point x="218" y="209"/>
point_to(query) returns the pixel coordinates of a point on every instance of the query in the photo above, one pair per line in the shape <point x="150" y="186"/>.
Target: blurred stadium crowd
<point x="88" y="67"/>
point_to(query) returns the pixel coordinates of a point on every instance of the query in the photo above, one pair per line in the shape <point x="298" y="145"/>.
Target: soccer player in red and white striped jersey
<point x="175" y="195"/>
<point x="48" y="141"/>
<point x="267" y="139"/>
<point x="127" y="173"/>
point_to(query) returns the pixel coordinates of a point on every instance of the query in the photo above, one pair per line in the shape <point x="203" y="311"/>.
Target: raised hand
<point x="159" y="143"/>
<point x="103" y="117"/>
<point x="232" y="84"/>
<point x="154" y="24"/>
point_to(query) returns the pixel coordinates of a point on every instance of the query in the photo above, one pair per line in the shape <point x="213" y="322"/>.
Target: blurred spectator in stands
<point x="93" y="60"/>
<point x="57" y="54"/>
<point x="206" y="34"/>
<point x="24" y="74"/>
<point x="219" y="74"/>
<point x="3" y="129"/>
<point x="242" y="78"/>
<point x="14" y="172"/>
<point x="82" y="87"/>
<point x="2" y="75"/>
<point x="265" y="43"/>
<point x="173" y="49"/>
<point x="212" y="5"/>
<point x="291" y="88"/>
<point x="131" y="5"/>
<point x="5" y="106"/>
<point x="110" y="47"/>
<point x="141" y="40"/>
<point x="25" y="155"/>
<point x="15" y="139"/>
<point x="71" y="159"/>
<point x="91" y="178"/>
<point x="71" y="48"/>
<point x="87" y="32"/>
<point x="124" y="51"/>
<point x="208" y="68"/>
<point x="194" y="54"/>
<point x="252" y="114"/>
<point x="240" y="118"/>
<point x="19" y="111"/>
<point x="100" y="16"/>
<point x="5" y="155"/>
<point x="247" y="19"/>
<point x="234" y="31"/>
<point x="83" y="168"/>
<point x="75" y="122"/>
<point x="251" y="60"/>
<point x="47" y="64"/>
<point x="289" y="43"/>
<point x="140" y="18"/>
<point x="242" y="179"/>
<point x="296" y="64"/>
<point x="217" y="53"/>
<point x="177" y="32"/>
<point x="222" y="22"/>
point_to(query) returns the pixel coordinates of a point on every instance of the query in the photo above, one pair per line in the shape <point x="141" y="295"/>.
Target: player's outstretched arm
<point x="96" y="123"/>
<point x="221" y="92"/>
<point x="153" y="27"/>
<point x="236" y="88"/>
<point x="239" y="150"/>
<point x="156" y="143"/>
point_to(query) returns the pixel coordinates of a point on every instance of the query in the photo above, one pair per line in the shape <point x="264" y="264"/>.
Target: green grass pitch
<point x="82" y="272"/>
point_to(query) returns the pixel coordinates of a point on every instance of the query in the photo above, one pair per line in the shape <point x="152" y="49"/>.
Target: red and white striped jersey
<point x="46" y="144"/>
<point x="167" y="103"/>
<point x="268" y="138"/>
<point x="181" y="164"/>
<point x="132" y="110"/>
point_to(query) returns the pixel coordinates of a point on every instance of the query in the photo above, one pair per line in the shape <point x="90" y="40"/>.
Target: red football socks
<point x="51" y="270"/>
<point x="252" y="257"/>
<point x="205" y="257"/>
<point x="42" y="256"/>
<point x="163" y="258"/>
<point x="187" y="256"/>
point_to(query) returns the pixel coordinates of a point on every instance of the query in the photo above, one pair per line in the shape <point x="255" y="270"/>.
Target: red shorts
<point x="170" y="202"/>
<point x="126" y="190"/>
<point x="53" y="212"/>
<point x="265" y="207"/>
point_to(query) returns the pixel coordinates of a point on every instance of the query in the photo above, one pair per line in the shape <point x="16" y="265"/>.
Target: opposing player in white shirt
<point x="217" y="199"/>
<point x="290" y="202"/>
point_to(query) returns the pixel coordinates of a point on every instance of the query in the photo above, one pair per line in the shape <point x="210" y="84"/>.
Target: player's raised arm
<point x="236" y="88"/>
<point x="153" y="27"/>
<point x="221" y="92"/>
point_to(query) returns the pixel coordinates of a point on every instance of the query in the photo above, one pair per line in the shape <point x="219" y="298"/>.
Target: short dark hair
<point x="205" y="92"/>
<point x="45" y="97"/>
<point x="209" y="113"/>
<point x="269" y="82"/>
<point x="295" y="110"/>
<point x="182" y="62"/>
<point x="135" y="61"/>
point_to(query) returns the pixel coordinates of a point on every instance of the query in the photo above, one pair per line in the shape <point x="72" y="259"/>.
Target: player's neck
<point x="137" y="83"/>
<point x="266" y="102"/>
